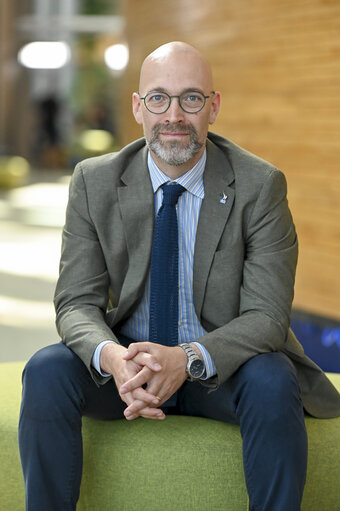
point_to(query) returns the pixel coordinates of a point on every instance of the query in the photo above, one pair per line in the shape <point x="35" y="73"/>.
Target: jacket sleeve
<point x="82" y="290"/>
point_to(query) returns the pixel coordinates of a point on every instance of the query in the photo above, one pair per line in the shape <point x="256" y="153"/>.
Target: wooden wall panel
<point x="277" y="65"/>
<point x="14" y="92"/>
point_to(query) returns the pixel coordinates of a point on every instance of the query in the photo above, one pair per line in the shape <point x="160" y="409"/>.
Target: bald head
<point x="172" y="59"/>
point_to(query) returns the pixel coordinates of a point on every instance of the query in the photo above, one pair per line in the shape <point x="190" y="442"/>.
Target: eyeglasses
<point x="159" y="102"/>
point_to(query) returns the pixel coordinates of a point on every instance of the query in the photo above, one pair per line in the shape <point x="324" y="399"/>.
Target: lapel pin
<point x="223" y="199"/>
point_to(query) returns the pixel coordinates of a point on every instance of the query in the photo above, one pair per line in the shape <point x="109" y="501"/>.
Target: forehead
<point x="175" y="73"/>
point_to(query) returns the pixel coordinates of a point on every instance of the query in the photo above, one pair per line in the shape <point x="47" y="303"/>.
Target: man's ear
<point x="215" y="107"/>
<point x="136" y="108"/>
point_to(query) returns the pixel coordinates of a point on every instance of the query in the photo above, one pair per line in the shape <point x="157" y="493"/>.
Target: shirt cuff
<point x="96" y="358"/>
<point x="209" y="365"/>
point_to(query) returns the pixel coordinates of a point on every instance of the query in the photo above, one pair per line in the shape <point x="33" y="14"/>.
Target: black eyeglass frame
<point x="179" y="100"/>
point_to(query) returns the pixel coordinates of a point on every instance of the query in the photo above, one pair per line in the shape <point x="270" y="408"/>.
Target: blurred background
<point x="67" y="72"/>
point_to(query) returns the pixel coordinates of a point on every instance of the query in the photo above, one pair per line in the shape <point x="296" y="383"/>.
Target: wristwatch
<point x="195" y="367"/>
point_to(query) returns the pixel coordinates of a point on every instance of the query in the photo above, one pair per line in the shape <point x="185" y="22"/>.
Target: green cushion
<point x="162" y="465"/>
<point x="150" y="465"/>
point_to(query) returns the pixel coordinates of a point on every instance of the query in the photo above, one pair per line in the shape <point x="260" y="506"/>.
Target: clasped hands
<point x="146" y="375"/>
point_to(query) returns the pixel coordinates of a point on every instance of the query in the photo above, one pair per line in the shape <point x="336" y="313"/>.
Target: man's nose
<point x="174" y="113"/>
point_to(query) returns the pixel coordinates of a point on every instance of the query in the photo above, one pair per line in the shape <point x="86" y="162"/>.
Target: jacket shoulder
<point x="243" y="163"/>
<point x="112" y="164"/>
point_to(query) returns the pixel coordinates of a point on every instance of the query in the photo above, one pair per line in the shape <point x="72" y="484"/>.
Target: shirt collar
<point x="192" y="180"/>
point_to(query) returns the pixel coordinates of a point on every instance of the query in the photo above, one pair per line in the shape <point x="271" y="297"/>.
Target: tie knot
<point x="171" y="193"/>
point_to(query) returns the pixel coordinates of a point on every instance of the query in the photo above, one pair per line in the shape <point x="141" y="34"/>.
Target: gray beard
<point x="173" y="153"/>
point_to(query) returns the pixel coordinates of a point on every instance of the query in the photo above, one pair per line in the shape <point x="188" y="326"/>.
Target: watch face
<point x="196" y="368"/>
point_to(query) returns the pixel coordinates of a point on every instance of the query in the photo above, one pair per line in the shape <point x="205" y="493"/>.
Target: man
<point x="234" y="278"/>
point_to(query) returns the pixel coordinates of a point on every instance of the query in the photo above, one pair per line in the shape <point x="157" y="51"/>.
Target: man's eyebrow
<point x="157" y="89"/>
<point x="188" y="89"/>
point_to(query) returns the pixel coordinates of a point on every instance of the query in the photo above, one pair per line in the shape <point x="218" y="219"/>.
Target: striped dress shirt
<point x="188" y="208"/>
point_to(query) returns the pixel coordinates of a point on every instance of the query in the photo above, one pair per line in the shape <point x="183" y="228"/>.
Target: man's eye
<point x="156" y="98"/>
<point x="193" y="98"/>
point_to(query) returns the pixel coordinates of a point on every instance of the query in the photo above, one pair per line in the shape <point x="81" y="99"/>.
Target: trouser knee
<point x="48" y="378"/>
<point x="268" y="384"/>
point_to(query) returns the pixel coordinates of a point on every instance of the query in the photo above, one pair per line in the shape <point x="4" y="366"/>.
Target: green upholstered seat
<point x="182" y="463"/>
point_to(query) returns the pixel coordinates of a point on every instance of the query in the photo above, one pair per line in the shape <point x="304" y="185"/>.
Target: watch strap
<point x="190" y="352"/>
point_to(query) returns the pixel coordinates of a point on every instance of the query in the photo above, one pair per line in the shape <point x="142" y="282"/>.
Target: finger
<point x="128" y="399"/>
<point x="142" y="395"/>
<point x="136" y="381"/>
<point x="134" y="406"/>
<point x="145" y="359"/>
<point x="136" y="347"/>
<point x="159" y="416"/>
<point x="147" y="413"/>
<point x="133" y="413"/>
<point x="161" y="390"/>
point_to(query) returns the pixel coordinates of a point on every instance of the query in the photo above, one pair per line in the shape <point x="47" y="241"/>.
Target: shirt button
<point x="180" y="323"/>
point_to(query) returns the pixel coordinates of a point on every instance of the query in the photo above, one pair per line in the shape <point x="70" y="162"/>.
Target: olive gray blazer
<point x="244" y="262"/>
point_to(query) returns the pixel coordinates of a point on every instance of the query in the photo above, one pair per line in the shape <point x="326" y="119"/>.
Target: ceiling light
<point x="44" y="55"/>
<point x="117" y="57"/>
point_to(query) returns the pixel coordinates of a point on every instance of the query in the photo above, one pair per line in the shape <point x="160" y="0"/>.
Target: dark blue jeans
<point x="263" y="397"/>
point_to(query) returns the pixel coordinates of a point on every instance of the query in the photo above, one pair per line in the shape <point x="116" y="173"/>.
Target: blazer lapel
<point x="136" y="201"/>
<point x="215" y="210"/>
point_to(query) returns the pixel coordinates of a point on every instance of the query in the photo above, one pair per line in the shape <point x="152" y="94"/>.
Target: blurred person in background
<point x="47" y="147"/>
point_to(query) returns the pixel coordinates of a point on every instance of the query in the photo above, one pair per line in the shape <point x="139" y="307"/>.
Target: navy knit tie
<point x="163" y="323"/>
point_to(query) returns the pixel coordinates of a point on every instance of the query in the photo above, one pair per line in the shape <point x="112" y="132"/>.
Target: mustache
<point x="173" y="128"/>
